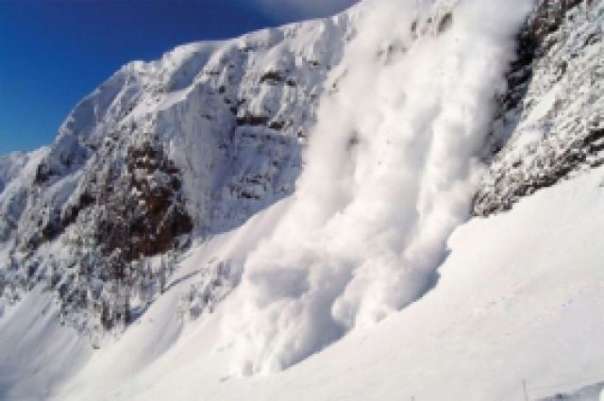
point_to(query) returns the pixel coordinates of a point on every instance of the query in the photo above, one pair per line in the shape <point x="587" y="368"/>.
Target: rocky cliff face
<point x="195" y="143"/>
<point x="551" y="124"/>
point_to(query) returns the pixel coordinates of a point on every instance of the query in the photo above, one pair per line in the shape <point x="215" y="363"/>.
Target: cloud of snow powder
<point x="390" y="173"/>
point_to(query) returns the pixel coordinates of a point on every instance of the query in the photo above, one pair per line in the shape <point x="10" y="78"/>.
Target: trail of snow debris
<point x="390" y="173"/>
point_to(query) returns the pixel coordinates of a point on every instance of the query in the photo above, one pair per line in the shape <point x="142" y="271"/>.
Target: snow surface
<point x="374" y="231"/>
<point x="16" y="171"/>
<point x="519" y="297"/>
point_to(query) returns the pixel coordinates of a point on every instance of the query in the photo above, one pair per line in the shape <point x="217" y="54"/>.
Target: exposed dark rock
<point x="542" y="173"/>
<point x="445" y="23"/>
<point x="276" y="125"/>
<point x="414" y="28"/>
<point x="150" y="215"/>
<point x="71" y="213"/>
<point x="272" y="77"/>
<point x="252" y="120"/>
<point x="568" y="145"/>
<point x="43" y="173"/>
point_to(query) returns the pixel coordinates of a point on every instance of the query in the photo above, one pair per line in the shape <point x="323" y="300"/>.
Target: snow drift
<point x="390" y="172"/>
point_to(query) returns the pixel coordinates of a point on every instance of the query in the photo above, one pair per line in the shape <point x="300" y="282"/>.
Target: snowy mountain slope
<point x="259" y="204"/>
<point x="37" y="352"/>
<point x="9" y="167"/>
<point x="13" y="189"/>
<point x="501" y="313"/>
<point x="189" y="145"/>
<point x="212" y="105"/>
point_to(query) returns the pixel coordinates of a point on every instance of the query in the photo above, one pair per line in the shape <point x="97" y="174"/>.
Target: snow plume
<point x="390" y="173"/>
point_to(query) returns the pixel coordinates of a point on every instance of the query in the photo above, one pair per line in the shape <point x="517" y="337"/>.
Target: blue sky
<point x="54" y="52"/>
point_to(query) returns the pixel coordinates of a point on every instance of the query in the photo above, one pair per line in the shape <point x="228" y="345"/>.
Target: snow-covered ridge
<point x="211" y="105"/>
<point x="183" y="147"/>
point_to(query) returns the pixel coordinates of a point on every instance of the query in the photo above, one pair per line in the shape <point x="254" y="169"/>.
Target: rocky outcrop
<point x="151" y="216"/>
<point x="551" y="122"/>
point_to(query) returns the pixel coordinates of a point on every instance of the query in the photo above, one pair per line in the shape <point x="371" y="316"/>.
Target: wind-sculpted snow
<point x="390" y="172"/>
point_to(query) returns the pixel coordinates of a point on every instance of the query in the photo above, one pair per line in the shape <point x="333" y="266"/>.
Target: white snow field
<point x="368" y="282"/>
<point x="519" y="298"/>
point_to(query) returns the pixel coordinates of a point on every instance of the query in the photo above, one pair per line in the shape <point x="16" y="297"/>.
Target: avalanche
<point x="502" y="312"/>
<point x="391" y="170"/>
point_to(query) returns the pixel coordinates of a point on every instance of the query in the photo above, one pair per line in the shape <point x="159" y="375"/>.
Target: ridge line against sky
<point x="55" y="52"/>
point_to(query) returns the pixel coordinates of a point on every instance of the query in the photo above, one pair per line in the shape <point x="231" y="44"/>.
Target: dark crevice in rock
<point x="445" y="23"/>
<point x="272" y="78"/>
<point x="252" y="120"/>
